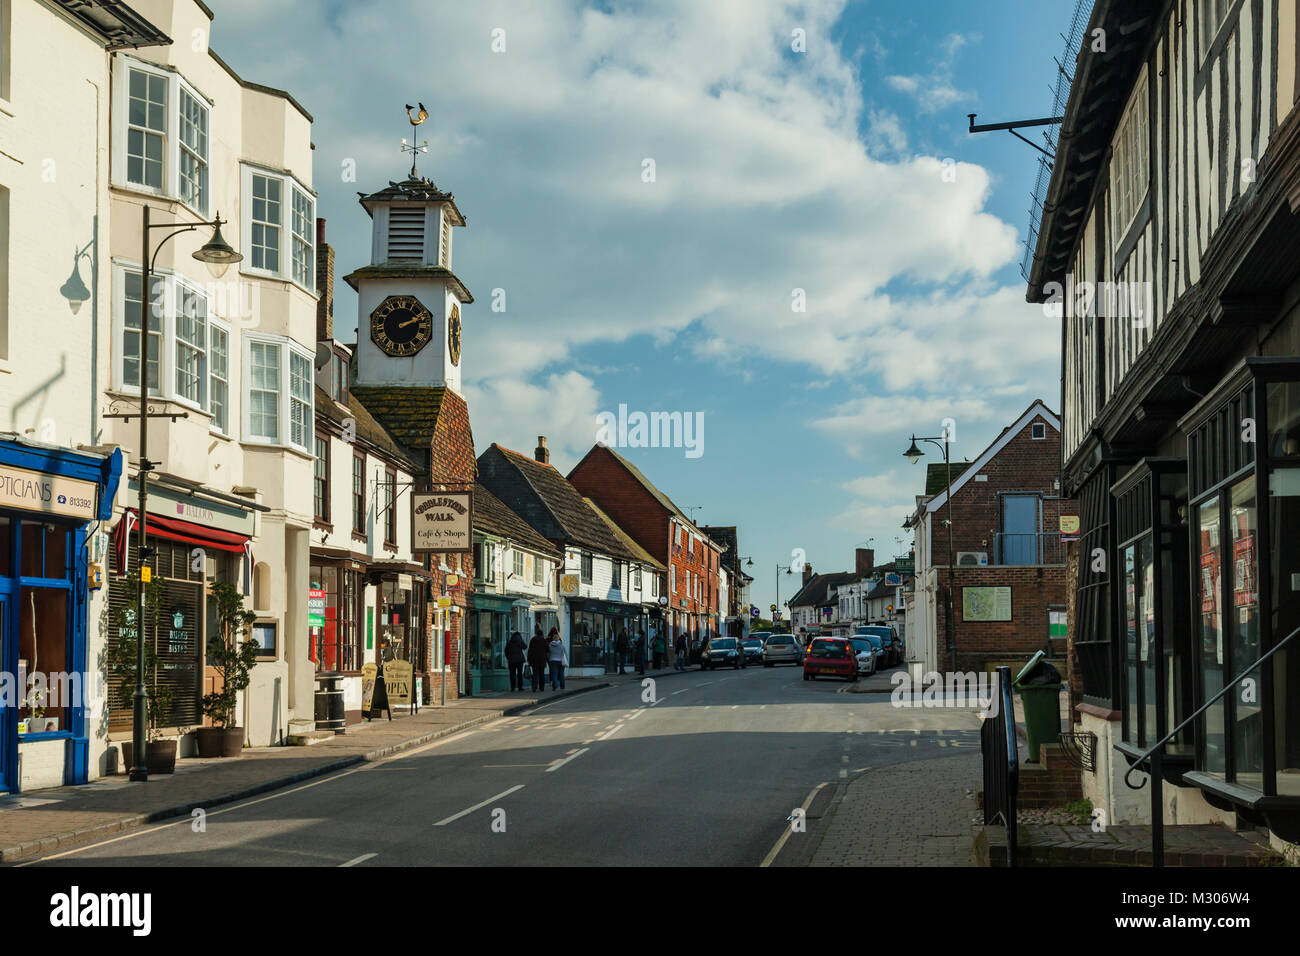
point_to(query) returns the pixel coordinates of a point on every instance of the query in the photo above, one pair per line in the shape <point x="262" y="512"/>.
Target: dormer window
<point x="406" y="234"/>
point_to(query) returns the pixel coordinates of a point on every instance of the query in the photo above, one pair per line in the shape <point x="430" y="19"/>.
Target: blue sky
<point x="775" y="170"/>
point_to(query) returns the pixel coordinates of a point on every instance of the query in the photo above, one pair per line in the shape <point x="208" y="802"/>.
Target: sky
<point x="766" y="216"/>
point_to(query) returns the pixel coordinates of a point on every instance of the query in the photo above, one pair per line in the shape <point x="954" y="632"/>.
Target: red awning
<point x="175" y="529"/>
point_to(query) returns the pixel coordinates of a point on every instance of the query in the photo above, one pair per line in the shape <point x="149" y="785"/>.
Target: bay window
<point x="161" y="142"/>
<point x="1244" y="486"/>
<point x="277" y="392"/>
<point x="279" y="228"/>
<point x="219" y="375"/>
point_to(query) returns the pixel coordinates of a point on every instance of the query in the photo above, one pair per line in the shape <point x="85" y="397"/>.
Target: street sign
<point x="893" y="579"/>
<point x="905" y="565"/>
<point x="772" y="607"/>
<point x="754" y="612"/>
<point x="316" y="607"/>
<point x="441" y="522"/>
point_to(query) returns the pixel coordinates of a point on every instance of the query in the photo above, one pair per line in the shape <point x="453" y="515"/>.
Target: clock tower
<point x="409" y="302"/>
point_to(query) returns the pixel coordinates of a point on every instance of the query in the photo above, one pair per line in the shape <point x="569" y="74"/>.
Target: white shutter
<point x="406" y="233"/>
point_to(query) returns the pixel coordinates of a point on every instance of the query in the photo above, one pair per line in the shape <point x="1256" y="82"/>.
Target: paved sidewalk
<point x="909" y="814"/>
<point x="44" y="820"/>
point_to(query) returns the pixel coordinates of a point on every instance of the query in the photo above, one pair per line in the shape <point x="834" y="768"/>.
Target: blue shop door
<point x="8" y="715"/>
<point x="1019" y="539"/>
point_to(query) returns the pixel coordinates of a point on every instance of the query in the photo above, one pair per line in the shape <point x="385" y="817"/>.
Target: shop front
<point x="490" y="624"/>
<point x="594" y="627"/>
<point x="48" y="499"/>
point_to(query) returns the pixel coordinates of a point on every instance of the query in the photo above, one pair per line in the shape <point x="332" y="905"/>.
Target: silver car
<point x="782" y="649"/>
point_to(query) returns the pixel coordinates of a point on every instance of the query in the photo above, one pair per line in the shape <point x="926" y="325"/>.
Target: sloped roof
<point x="642" y="555"/>
<point x="936" y="475"/>
<point x="494" y="516"/>
<point x="367" y="427"/>
<point x="410" y="190"/>
<point x="409" y="413"/>
<point x="390" y="270"/>
<point x="582" y="525"/>
<point x="819" y="585"/>
<point x="649" y="486"/>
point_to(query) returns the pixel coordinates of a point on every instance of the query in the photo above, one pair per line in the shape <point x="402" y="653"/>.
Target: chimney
<point x="866" y="560"/>
<point x="324" y="285"/>
<point x="541" y="452"/>
<point x="807" y="573"/>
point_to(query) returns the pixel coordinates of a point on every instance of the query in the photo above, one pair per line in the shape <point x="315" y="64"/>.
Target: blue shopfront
<point x="51" y="500"/>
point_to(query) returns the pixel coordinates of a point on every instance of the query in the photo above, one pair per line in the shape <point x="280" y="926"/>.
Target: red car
<point x="830" y="655"/>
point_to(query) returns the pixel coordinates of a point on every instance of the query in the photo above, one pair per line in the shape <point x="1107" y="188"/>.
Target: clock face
<point x="401" y="325"/>
<point x="453" y="335"/>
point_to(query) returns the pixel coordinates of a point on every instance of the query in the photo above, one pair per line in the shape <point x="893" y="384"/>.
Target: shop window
<point x="586" y="568"/>
<point x="43" y="644"/>
<point x="44" y="551"/>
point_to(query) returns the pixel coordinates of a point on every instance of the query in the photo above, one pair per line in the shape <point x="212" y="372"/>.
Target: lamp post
<point x="914" y="454"/>
<point x="217" y="254"/>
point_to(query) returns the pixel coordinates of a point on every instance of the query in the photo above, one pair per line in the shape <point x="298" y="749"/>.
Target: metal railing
<point x="1027" y="548"/>
<point x="1154" y="756"/>
<point x="1001" y="762"/>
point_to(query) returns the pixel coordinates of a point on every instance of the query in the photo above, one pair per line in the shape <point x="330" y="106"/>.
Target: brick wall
<point x="1034" y="589"/>
<point x="603" y="479"/>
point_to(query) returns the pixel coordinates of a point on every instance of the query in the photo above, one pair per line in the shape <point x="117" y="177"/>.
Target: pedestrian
<point x="640" y="653"/>
<point x="620" y="649"/>
<point x="558" y="658"/>
<point x="660" y="647"/>
<point x="537" y="651"/>
<point x="680" y="651"/>
<point x="516" y="652"/>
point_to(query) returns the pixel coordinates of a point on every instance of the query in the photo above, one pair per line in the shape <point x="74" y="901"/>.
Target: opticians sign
<point x="27" y="490"/>
<point x="441" y="522"/>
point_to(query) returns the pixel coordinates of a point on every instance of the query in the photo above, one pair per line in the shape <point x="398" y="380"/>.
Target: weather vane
<point x="415" y="148"/>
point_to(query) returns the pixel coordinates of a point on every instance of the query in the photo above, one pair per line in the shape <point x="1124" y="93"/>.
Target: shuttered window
<point x="406" y="234"/>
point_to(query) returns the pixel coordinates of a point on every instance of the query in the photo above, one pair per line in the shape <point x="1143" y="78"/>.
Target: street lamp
<point x="218" y="256"/>
<point x="914" y="454"/>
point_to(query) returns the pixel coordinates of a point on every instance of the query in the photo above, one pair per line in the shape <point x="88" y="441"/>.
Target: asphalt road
<point x="706" y="773"/>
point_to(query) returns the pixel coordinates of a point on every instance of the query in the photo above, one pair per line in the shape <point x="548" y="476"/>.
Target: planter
<point x="41" y="725"/>
<point x="22" y="726"/>
<point x="232" y="741"/>
<point x="220" y="741"/>
<point x="159" y="756"/>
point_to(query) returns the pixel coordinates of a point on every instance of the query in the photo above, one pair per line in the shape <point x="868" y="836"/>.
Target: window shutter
<point x="405" y="233"/>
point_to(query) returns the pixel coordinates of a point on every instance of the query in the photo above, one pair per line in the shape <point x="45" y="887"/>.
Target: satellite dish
<point x="324" y="352"/>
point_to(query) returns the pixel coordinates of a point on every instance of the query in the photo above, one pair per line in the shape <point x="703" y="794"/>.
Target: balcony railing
<point x="1030" y="548"/>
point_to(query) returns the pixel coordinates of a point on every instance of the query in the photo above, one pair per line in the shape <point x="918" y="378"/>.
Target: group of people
<point x="543" y="655"/>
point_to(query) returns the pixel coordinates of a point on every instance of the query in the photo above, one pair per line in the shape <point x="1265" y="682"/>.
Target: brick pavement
<point x="41" y="821"/>
<point x="909" y="814"/>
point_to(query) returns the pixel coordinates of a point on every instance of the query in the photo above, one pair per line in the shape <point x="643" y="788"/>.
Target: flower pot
<point x="232" y="741"/>
<point x="22" y="726"/>
<point x="208" y="740"/>
<point x="160" y="756"/>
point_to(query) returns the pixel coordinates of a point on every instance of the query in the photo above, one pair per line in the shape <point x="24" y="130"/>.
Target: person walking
<point x="640" y="653"/>
<point x="660" y="647"/>
<point x="620" y="649"/>
<point x="558" y="658"/>
<point x="537" y="652"/>
<point x="516" y="652"/>
<point x="680" y="652"/>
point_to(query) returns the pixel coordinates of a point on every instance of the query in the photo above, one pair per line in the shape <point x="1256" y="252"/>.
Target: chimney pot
<point x="807" y="573"/>
<point x="541" y="452"/>
<point x="866" y="561"/>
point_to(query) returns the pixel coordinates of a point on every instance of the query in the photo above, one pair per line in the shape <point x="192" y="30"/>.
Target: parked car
<point x="753" y="649"/>
<point x="781" y="649"/>
<point x="721" y="651"/>
<point x="832" y="656"/>
<point x="893" y="647"/>
<point x="759" y="635"/>
<point x="868" y="659"/>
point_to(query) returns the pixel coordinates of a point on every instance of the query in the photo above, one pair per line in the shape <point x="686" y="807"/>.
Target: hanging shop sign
<point x="441" y="522"/>
<point x="569" y="584"/>
<point x="28" y="490"/>
<point x="397" y="681"/>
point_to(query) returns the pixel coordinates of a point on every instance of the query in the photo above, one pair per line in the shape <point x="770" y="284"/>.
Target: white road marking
<point x="785" y="834"/>
<point x="478" y="806"/>
<point x="676" y="692"/>
<point x="735" y="706"/>
<point x="616" y="729"/>
<point x="556" y="766"/>
<point x="843" y="774"/>
<point x="361" y="859"/>
<point x="636" y="715"/>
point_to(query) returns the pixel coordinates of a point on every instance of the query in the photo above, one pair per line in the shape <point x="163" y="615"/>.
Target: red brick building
<point x="651" y="519"/>
<point x="1007" y="573"/>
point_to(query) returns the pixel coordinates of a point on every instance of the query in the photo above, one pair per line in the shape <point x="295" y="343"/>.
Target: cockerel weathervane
<point x="415" y="148"/>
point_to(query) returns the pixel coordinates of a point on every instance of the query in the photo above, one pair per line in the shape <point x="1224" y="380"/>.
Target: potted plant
<point x="232" y="654"/>
<point x="120" y="659"/>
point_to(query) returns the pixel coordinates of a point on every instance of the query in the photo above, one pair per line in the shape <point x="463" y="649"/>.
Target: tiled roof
<point x="936" y="475"/>
<point x="410" y="413"/>
<point x="494" y="516"/>
<point x="815" y="591"/>
<point x="582" y="525"/>
<point x="649" y="486"/>
<point x="366" y="425"/>
<point x="642" y="555"/>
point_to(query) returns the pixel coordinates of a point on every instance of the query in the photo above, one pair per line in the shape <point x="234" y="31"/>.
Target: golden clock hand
<point x="411" y="320"/>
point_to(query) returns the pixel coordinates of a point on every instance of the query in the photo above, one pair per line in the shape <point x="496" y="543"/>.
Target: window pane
<point x="43" y="646"/>
<point x="1248" y="732"/>
<point x="1146" y="648"/>
<point x="1284" y="518"/>
<point x="1130" y="645"/>
<point x="1284" y="419"/>
<point x="219" y="362"/>
<point x="264" y="391"/>
<point x="1211" y="629"/>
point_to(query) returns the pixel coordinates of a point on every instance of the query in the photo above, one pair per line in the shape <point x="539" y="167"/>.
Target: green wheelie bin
<point x="1039" y="687"/>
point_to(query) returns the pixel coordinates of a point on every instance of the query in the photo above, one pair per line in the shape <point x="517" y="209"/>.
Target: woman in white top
<point x="557" y="656"/>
